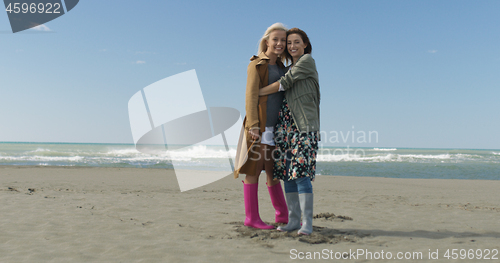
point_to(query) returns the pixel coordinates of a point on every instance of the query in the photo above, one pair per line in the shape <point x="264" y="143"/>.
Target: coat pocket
<point x="308" y="104"/>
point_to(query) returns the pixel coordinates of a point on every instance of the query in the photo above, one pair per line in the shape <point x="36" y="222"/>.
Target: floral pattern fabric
<point x="302" y="149"/>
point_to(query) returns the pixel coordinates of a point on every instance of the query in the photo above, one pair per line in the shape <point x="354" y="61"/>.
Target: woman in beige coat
<point x="257" y="140"/>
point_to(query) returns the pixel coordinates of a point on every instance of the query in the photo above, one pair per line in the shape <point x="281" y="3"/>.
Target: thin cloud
<point x="432" y="51"/>
<point x="140" y="62"/>
<point x="41" y="28"/>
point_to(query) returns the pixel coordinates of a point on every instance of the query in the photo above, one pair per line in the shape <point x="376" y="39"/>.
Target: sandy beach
<point x="56" y="214"/>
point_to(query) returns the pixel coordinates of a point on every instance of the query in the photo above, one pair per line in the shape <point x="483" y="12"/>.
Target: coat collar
<point x="263" y="55"/>
<point x="263" y="59"/>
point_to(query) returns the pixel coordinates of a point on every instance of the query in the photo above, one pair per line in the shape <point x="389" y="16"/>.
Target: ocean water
<point x="375" y="162"/>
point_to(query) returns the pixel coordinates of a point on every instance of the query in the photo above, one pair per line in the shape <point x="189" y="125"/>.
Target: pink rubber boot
<point x="279" y="203"/>
<point x="252" y="207"/>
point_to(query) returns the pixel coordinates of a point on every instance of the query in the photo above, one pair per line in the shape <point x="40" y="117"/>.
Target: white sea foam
<point x="353" y="158"/>
<point x="381" y="158"/>
<point x="38" y="158"/>
<point x="216" y="156"/>
<point x="385" y="149"/>
<point x="122" y="152"/>
<point x="201" y="151"/>
<point x="425" y="156"/>
<point x="40" y="150"/>
<point x="193" y="152"/>
<point x="466" y="156"/>
<point x="207" y="154"/>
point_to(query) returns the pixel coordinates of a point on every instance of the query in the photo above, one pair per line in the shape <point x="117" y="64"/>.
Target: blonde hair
<point x="265" y="38"/>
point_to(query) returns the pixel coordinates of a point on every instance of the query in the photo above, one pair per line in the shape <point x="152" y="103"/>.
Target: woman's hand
<point x="254" y="132"/>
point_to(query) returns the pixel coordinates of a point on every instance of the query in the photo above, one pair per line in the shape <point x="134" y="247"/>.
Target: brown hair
<point x="304" y="37"/>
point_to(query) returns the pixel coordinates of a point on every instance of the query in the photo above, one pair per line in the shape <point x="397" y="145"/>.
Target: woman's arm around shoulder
<point x="304" y="68"/>
<point x="270" y="89"/>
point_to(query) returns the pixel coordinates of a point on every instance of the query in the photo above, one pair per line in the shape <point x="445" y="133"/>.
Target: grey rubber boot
<point x="292" y="202"/>
<point x="306" y="205"/>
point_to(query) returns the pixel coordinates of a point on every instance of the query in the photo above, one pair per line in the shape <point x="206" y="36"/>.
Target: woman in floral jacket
<point x="297" y="131"/>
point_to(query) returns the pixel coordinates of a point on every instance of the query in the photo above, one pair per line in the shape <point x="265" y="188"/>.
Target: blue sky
<point x="422" y="74"/>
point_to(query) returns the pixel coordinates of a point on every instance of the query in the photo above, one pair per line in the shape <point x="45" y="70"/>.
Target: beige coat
<point x="247" y="153"/>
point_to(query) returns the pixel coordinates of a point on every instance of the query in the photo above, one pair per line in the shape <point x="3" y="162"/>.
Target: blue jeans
<point x="301" y="185"/>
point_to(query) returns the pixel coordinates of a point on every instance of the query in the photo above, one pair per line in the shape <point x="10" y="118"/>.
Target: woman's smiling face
<point x="277" y="42"/>
<point x="295" y="46"/>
